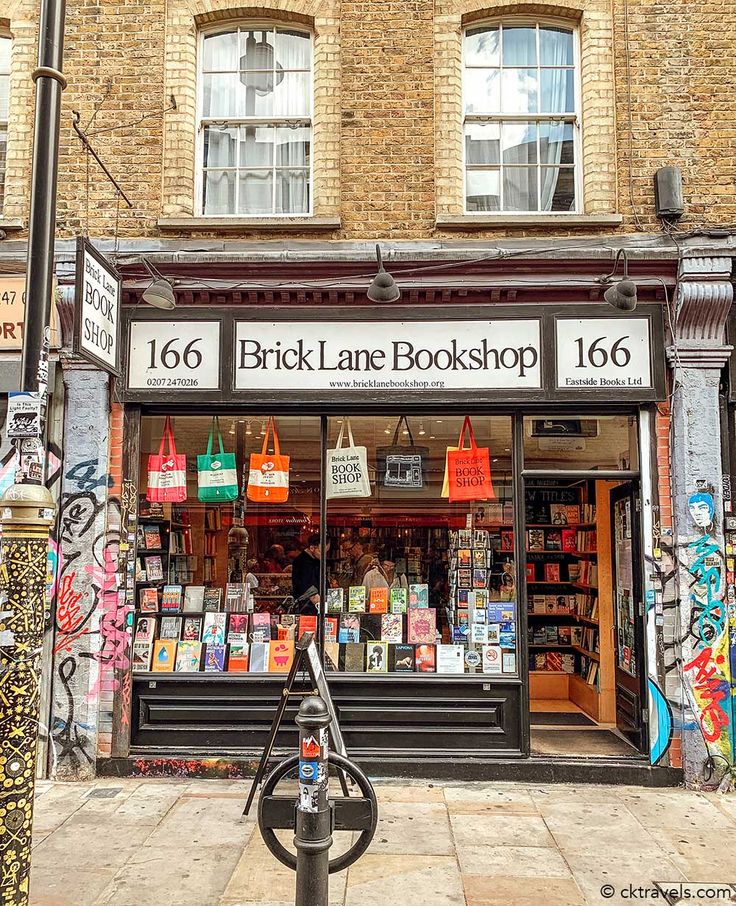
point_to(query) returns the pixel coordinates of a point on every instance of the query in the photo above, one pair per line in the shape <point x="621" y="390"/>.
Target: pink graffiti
<point x="711" y="690"/>
<point x="69" y="616"/>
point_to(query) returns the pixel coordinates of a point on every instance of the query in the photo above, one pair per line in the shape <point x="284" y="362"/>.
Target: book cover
<point x="398" y="598"/>
<point x="494" y="633"/>
<point x="564" y="635"/>
<point x="170" y="628"/>
<point x="332" y="656"/>
<point x="465" y="538"/>
<point x="576" y="635"/>
<point x="171" y="599"/>
<point x="422" y="626"/>
<point x="191" y="629"/>
<point x="237" y="658"/>
<point x="553" y="540"/>
<point x="464" y="579"/>
<point x="356" y="599"/>
<point x="145" y="629"/>
<point x="235" y="597"/>
<point x="450" y="659"/>
<point x="211" y="599"/>
<point x="164" y="656"/>
<point x="558" y="514"/>
<point x="188" y="657"/>
<point x="554" y="661"/>
<point x="193" y="598"/>
<point x="259" y="657"/>
<point x="530" y="572"/>
<point x="480" y="578"/>
<point x="349" y="628"/>
<point x="569" y="539"/>
<point x="507" y="540"/>
<point x="508" y="661"/>
<point x="425" y="659"/>
<point x="142" y="653"/>
<point x="149" y="600"/>
<point x="140" y="570"/>
<point x="307" y="623"/>
<point x="335" y="600"/>
<point x="213" y="632"/>
<point x="280" y="656"/>
<point x="376" y="657"/>
<point x="391" y="628"/>
<point x="214" y="658"/>
<point x="152" y="538"/>
<point x="479" y="558"/>
<point x="480" y="538"/>
<point x="237" y="623"/>
<point x="572" y="513"/>
<point x="260" y="628"/>
<point x="154" y="569"/>
<point x="492" y="659"/>
<point x="535" y="539"/>
<point x="331" y="626"/>
<point x="419" y="595"/>
<point x="568" y="663"/>
<point x="464" y="557"/>
<point x="378" y="601"/>
<point x="401" y="658"/>
<point x="551" y="572"/>
<point x="354" y="657"/>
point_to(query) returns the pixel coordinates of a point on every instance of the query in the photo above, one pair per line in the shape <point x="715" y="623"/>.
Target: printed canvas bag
<point x="402" y="467"/>
<point x="268" y="478"/>
<point x="347" y="468"/>
<point x="217" y="475"/>
<point x="167" y="471"/>
<point x="469" y="470"/>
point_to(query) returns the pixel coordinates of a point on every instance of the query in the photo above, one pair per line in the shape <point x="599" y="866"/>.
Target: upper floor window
<point x="5" y="44"/>
<point x="520" y="118"/>
<point x="256" y="122"/>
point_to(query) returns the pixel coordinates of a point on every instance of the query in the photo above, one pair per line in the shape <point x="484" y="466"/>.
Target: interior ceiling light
<point x="622" y="294"/>
<point x="383" y="288"/>
<point x="248" y="429"/>
<point x="160" y="292"/>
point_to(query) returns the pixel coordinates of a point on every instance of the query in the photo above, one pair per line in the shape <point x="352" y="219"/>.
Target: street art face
<point x="702" y="509"/>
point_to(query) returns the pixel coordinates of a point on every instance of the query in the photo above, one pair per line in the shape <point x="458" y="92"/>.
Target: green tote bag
<point x="217" y="474"/>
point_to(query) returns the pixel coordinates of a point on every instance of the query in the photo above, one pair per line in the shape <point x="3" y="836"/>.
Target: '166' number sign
<point x="183" y="354"/>
<point x="603" y="352"/>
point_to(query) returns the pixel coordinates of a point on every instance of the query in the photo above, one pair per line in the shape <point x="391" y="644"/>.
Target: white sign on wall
<point x="97" y="323"/>
<point x="603" y="353"/>
<point x="168" y="354"/>
<point x="387" y="355"/>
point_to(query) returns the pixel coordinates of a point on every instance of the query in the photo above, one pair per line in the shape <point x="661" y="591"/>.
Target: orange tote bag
<point x="268" y="479"/>
<point x="469" y="470"/>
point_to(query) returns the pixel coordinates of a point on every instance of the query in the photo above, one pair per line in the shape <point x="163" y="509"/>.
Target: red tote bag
<point x="469" y="470"/>
<point x="167" y="471"/>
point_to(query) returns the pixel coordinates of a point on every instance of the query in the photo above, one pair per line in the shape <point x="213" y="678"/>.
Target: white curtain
<point x="553" y="97"/>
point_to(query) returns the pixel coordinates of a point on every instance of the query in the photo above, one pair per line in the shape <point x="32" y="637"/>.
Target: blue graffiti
<point x="661" y="722"/>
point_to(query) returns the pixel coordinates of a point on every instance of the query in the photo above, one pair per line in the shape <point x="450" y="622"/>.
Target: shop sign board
<point x="174" y="354"/>
<point x="388" y="355"/>
<point x="12" y="313"/>
<point x="97" y="309"/>
<point x="603" y="353"/>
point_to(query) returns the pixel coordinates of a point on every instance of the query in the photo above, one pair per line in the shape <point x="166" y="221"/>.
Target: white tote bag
<point x="347" y="468"/>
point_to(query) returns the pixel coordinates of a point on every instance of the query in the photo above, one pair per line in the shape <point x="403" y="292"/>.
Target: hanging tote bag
<point x="167" y="471"/>
<point x="347" y="468"/>
<point x="469" y="470"/>
<point x="268" y="478"/>
<point x="217" y="475"/>
<point x="402" y="467"/>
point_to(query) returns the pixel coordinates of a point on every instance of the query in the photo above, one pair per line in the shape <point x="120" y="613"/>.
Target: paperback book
<point x="142" y="652"/>
<point x="149" y="600"/>
<point x="335" y="600"/>
<point x="213" y="633"/>
<point x="193" y="598"/>
<point x="356" y="599"/>
<point x="281" y="655"/>
<point x="391" y="628"/>
<point x="422" y="626"/>
<point x="349" y="628"/>
<point x="378" y="601"/>
<point x="260" y="627"/>
<point x="237" y="624"/>
<point x="212" y="599"/>
<point x="425" y="659"/>
<point x="354" y="657"/>
<point x="214" y="658"/>
<point x="164" y="656"/>
<point x="191" y="629"/>
<point x="237" y="659"/>
<point x="398" y="598"/>
<point x="419" y="595"/>
<point x="188" y="656"/>
<point x="170" y="628"/>
<point x="376" y="657"/>
<point x="154" y="569"/>
<point x="259" y="657"/>
<point x="145" y="629"/>
<point x="401" y="658"/>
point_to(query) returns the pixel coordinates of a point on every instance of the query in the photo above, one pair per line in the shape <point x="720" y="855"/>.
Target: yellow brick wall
<point x="387" y="109"/>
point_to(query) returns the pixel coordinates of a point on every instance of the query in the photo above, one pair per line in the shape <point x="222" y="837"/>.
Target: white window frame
<point x="575" y="118"/>
<point x="5" y="123"/>
<point x="202" y="121"/>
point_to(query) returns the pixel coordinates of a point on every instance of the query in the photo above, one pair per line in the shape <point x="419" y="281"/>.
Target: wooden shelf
<point x="551" y="645"/>
<point x="563" y="613"/>
<point x="591" y="654"/>
<point x="584" y="587"/>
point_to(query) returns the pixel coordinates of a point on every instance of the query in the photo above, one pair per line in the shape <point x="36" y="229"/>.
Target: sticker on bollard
<point x="308" y="771"/>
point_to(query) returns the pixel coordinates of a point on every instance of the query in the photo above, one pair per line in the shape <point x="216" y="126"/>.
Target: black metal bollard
<point x="313" y="837"/>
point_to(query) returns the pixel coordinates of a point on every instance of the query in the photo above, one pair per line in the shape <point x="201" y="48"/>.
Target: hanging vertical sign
<point x="97" y="309"/>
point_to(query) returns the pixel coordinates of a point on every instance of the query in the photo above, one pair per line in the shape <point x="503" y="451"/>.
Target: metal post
<point x="313" y="817"/>
<point x="26" y="509"/>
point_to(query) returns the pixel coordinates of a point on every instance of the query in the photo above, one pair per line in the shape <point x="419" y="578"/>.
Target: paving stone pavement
<point x="159" y="842"/>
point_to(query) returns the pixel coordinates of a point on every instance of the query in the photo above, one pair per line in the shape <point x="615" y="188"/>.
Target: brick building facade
<point x="391" y="160"/>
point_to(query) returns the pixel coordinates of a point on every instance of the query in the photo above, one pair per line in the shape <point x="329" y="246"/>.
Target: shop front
<point x="448" y="498"/>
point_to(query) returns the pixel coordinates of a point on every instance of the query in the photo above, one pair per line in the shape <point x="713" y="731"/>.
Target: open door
<point x="628" y="626"/>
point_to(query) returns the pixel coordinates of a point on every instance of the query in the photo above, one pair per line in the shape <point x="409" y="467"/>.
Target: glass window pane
<point x="222" y="95"/>
<point x="519" y="47"/>
<point x="519" y="143"/>
<point x="291" y="96"/>
<point x="555" y="47"/>
<point x="257" y="89"/>
<point x="256" y="146"/>
<point x="257" y="50"/>
<point x="219" y="192"/>
<point x="558" y="189"/>
<point x="292" y="146"/>
<point x="482" y="47"/>
<point x="292" y="191"/>
<point x="220" y="147"/>
<point x="483" y="190"/>
<point x="256" y="192"/>
<point x="520" y="189"/>
<point x="5" y="45"/>
<point x="602" y="442"/>
<point x="293" y="49"/>
<point x="220" y="52"/>
<point x="4" y="92"/>
<point x="519" y="91"/>
<point x="556" y="145"/>
<point x="557" y="91"/>
<point x="482" y="143"/>
<point x="482" y="91"/>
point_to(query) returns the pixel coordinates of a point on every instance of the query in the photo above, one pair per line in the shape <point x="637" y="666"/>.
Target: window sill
<point x="265" y="224"/>
<point x="11" y="226"/>
<point x="483" y="221"/>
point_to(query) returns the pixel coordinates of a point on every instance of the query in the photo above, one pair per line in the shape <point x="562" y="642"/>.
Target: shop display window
<point x="227" y="556"/>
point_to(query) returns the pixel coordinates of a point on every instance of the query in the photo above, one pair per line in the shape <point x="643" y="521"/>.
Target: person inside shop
<point x="380" y="572"/>
<point x="362" y="557"/>
<point x="275" y="559"/>
<point x="305" y="569"/>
